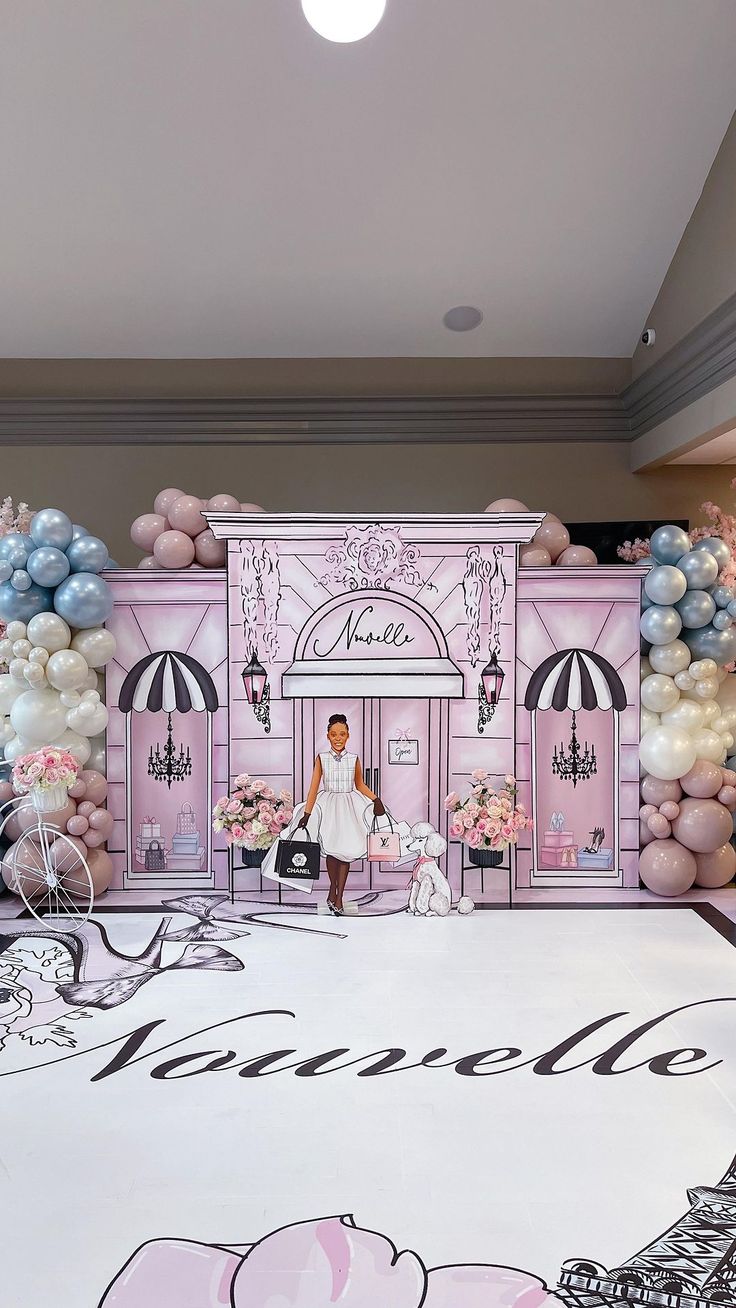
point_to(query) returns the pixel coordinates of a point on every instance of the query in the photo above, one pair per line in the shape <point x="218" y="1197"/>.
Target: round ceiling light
<point x="463" y="318"/>
<point x="343" y="20"/>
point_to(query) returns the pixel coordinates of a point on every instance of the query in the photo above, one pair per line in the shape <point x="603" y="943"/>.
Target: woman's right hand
<point x="303" y="822"/>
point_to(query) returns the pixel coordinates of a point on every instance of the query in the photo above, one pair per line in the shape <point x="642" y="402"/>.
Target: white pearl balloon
<point x="647" y="720"/>
<point x="710" y="711"/>
<point x="671" y="658"/>
<point x="684" y="681"/>
<point x="6" y="731"/>
<point x="703" y="668"/>
<point x="667" y="752"/>
<point x="6" y="650"/>
<point x="645" y="667"/>
<point x="49" y="631"/>
<point x="686" y="714"/>
<point x="97" y="645"/>
<point x="34" y="674"/>
<point x="706" y="688"/>
<point x="22" y="648"/>
<point x="15" y="630"/>
<point x="97" y="760"/>
<point x="17" y="670"/>
<point x="77" y="745"/>
<point x="67" y="670"/>
<point x="15" y="747"/>
<point x="39" y="655"/>
<point x="707" y="745"/>
<point x="88" y="719"/>
<point x="10" y="689"/>
<point x="659" y="693"/>
<point x="38" y="716"/>
<point x="727" y="740"/>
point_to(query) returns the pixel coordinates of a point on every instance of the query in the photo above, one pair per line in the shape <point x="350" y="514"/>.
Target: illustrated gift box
<point x="554" y="856"/>
<point x="602" y="859"/>
<point x="556" y="837"/>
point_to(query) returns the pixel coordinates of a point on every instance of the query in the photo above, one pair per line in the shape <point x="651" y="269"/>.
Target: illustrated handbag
<point x="298" y="860"/>
<point x="155" y="857"/>
<point x="384" y="844"/>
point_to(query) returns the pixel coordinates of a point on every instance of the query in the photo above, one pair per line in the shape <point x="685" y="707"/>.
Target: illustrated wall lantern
<point x="489" y="691"/>
<point x="258" y="691"/>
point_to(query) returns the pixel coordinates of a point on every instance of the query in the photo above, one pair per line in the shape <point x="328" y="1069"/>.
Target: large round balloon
<point x="668" y="544"/>
<point x="501" y="506"/>
<point x="100" y="870"/>
<point x="165" y="499"/>
<point x="718" y="548"/>
<point x="22" y="605"/>
<point x="686" y="714"/>
<point x="700" y="568"/>
<point x="149" y="564"/>
<point x="659" y="693"/>
<point x="38" y="716"/>
<point x="48" y="566"/>
<point x="95" y="786"/>
<point x="145" y="530"/>
<point x="696" y="608"/>
<point x="703" y="781"/>
<point x="667" y="868"/>
<point x="717" y="868"/>
<point x="534" y="556"/>
<point x="185" y="515"/>
<point x="703" y="825"/>
<point x="50" y="632"/>
<point x="15" y="548"/>
<point x="84" y="600"/>
<point x="52" y="527"/>
<point x="10" y="689"/>
<point x="96" y="645"/>
<point x="667" y="752"/>
<point x="223" y="504"/>
<point x="67" y="670"/>
<point x="174" y="549"/>
<point x="655" y="791"/>
<point x="577" y="556"/>
<point x="661" y="624"/>
<point x="553" y="536"/>
<point x="256" y="508"/>
<point x="712" y="644"/>
<point x="665" y="585"/>
<point x="88" y="554"/>
<point x="208" y="551"/>
<point x="78" y="746"/>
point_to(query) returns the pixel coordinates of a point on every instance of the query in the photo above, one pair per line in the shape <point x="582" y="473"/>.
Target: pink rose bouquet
<point x="253" y="815"/>
<point x="488" y="818"/>
<point x="44" y="769"/>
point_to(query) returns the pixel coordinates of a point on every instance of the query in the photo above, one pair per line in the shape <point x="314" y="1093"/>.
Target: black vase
<point x="486" y="857"/>
<point x="252" y="857"/>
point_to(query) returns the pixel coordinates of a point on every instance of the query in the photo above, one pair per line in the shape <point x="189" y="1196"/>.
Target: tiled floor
<point x="431" y="1077"/>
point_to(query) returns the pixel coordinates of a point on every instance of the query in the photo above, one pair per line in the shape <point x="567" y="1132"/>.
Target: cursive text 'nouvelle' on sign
<point x="356" y="630"/>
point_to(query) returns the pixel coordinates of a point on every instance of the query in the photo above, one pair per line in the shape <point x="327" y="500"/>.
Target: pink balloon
<point x="100" y="868"/>
<point x="655" y="791"/>
<point x="667" y="868"/>
<point x="174" y="549"/>
<point x="553" y="536"/>
<point x="209" y="552"/>
<point x="251" y="508"/>
<point x="703" y="825"/>
<point x="646" y="811"/>
<point x="224" y="504"/>
<point x="577" y="556"/>
<point x="12" y="829"/>
<point x="165" y="499"/>
<point x="77" y="825"/>
<point x="645" y="835"/>
<point x="149" y="564"/>
<point x="58" y="820"/>
<point x="659" y="826"/>
<point x="6" y="792"/>
<point x="703" y="780"/>
<point x="102" y="820"/>
<point x="534" y="556"/>
<point x="727" y="796"/>
<point x="86" y="807"/>
<point x="34" y="870"/>
<point x="717" y="868"/>
<point x="146" y="529"/>
<point x="728" y="776"/>
<point x="78" y="790"/>
<point x="670" y="810"/>
<point x="64" y="859"/>
<point x="185" y="516"/>
<point x="93" y="839"/>
<point x="96" y="786"/>
<point x="506" y="506"/>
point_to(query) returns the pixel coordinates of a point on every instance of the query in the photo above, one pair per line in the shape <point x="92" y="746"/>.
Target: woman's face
<point x="338" y="735"/>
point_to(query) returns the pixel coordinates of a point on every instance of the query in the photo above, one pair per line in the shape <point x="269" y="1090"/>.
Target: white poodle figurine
<point x="430" y="893"/>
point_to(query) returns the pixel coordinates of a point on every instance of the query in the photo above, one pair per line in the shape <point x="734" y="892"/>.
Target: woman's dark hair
<point x="337" y="717"/>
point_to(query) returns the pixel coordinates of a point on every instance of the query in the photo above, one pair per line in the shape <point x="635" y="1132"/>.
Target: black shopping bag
<point x="298" y="860"/>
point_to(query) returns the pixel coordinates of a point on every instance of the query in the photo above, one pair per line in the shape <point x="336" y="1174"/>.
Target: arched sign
<point x="372" y="643"/>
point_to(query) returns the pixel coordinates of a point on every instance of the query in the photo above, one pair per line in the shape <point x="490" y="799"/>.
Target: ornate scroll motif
<point x="260" y="584"/>
<point x="496" y="589"/>
<point x="372" y="557"/>
<point x="479" y="573"/>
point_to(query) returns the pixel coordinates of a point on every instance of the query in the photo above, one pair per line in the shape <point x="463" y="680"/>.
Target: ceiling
<point x="720" y="449"/>
<point x="209" y="178"/>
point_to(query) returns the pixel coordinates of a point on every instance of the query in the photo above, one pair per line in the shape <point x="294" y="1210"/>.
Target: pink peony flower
<point x="234" y="806"/>
<point x="452" y="800"/>
<point x="479" y="774"/>
<point x="473" y="838"/>
<point x="237" y="831"/>
<point x="457" y="830"/>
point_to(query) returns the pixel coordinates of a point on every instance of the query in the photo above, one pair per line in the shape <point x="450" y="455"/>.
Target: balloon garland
<point x="176" y="534"/>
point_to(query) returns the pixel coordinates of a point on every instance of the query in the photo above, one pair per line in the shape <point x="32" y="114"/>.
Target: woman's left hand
<point x="378" y="809"/>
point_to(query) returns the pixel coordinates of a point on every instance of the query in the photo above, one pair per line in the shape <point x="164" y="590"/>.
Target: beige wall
<point x="702" y="273"/>
<point x="105" y="488"/>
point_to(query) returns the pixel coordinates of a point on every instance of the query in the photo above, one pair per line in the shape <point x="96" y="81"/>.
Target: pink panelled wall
<point x="598" y="610"/>
<point x="184" y="612"/>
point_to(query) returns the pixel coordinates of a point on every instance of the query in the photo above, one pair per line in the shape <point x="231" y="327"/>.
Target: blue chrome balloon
<point x="78" y="530"/>
<point x="22" y="605"/>
<point x="723" y="596"/>
<point x="722" y="620"/>
<point x="717" y="547"/>
<point x="665" y="584"/>
<point x="668" y="544"/>
<point x="700" y="568"/>
<point x="13" y="549"/>
<point x="20" y="580"/>
<point x="6" y="570"/>
<point x="83" y="600"/>
<point x="660" y="624"/>
<point x="707" y="643"/>
<point x="696" y="608"/>
<point x="51" y="527"/>
<point x="48" y="566"/>
<point x="87" y="554"/>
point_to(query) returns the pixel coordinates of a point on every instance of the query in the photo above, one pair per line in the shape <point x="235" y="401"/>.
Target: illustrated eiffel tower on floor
<point x="692" y="1265"/>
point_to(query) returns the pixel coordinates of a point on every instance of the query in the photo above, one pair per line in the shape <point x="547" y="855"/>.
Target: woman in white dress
<point x="338" y="809"/>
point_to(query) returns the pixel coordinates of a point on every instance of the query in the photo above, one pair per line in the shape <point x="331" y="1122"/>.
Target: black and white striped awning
<point x="575" y="679"/>
<point x="168" y="681"/>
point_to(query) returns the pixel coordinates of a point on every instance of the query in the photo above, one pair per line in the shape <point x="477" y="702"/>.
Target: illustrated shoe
<point x="333" y="908"/>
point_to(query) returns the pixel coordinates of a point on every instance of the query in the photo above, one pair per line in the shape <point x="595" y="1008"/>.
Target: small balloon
<point x="21" y="580"/>
<point x="659" y="826"/>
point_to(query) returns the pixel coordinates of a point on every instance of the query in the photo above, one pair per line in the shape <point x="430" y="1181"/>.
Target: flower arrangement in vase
<point x="45" y="775"/>
<point x="252" y="817"/>
<point x="489" y="820"/>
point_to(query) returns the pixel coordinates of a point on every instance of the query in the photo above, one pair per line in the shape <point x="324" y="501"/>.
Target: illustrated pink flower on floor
<point x="314" y="1265"/>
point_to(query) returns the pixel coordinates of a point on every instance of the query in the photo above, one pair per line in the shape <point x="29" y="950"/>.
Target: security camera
<point x="648" y="337"/>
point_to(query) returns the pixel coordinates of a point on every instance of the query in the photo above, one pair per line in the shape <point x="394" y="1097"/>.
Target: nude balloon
<point x="208" y="551"/>
<point x="659" y="826"/>
<point x="703" y="825"/>
<point x="77" y="825"/>
<point x="667" y="868"/>
<point x="96" y="786"/>
<point x="174" y="549"/>
<point x="727" y="796"/>
<point x="251" y="508"/>
<point x="102" y="820"/>
<point x="93" y="839"/>
<point x="149" y="564"/>
<point x="185" y="515"/>
<point x="717" y="868"/>
<point x="100" y="868"/>
<point x="577" y="556"/>
<point x="146" y="529"/>
<point x="703" y="780"/>
<point x="553" y="535"/>
<point x="534" y="556"/>
<point x="223" y="504"/>
<point x="165" y="499"/>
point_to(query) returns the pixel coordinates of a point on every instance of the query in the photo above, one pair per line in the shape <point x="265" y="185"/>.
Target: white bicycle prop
<point x="50" y="874"/>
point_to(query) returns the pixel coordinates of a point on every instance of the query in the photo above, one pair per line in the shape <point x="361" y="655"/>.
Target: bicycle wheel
<point x="53" y="878"/>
